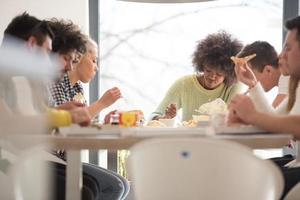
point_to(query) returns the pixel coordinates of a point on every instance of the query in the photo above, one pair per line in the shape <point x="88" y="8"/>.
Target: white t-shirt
<point x="262" y="104"/>
<point x="283" y="84"/>
<point x="260" y="101"/>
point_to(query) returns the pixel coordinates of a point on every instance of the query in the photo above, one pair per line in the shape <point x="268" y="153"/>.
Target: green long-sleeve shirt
<point x="188" y="94"/>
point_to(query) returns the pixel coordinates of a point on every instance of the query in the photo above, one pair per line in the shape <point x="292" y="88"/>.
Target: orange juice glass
<point x="128" y="119"/>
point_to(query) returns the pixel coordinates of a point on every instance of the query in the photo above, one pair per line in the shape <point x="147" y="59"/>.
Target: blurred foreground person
<point x="242" y="108"/>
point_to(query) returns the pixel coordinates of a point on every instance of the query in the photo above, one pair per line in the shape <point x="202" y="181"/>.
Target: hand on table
<point x="108" y="116"/>
<point x="241" y="108"/>
<point x="80" y="116"/>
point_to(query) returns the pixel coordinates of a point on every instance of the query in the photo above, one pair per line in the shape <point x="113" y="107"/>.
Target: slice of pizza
<point x="242" y="61"/>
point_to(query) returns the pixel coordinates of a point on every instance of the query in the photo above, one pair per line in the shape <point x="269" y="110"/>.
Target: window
<point x="145" y="47"/>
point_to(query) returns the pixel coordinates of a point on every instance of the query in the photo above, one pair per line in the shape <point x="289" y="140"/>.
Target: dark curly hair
<point x="215" y="51"/>
<point x="68" y="37"/>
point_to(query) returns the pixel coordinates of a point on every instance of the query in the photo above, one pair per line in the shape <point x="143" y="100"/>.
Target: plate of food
<point x="212" y="113"/>
<point x="217" y="106"/>
<point x="165" y="131"/>
<point x="239" y="129"/>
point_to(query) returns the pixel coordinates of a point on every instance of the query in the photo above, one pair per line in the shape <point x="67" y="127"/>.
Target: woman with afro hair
<point x="214" y="78"/>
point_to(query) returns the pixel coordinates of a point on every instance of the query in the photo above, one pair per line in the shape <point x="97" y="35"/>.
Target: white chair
<point x="4" y="109"/>
<point x="24" y="100"/>
<point x="294" y="193"/>
<point x="6" y="187"/>
<point x="22" y="111"/>
<point x="31" y="175"/>
<point x="200" y="169"/>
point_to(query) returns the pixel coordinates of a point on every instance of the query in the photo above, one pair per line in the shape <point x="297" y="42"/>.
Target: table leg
<point x="298" y="151"/>
<point x="112" y="158"/>
<point x="74" y="175"/>
<point x="93" y="157"/>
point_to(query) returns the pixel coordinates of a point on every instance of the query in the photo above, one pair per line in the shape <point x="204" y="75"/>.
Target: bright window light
<point x="145" y="47"/>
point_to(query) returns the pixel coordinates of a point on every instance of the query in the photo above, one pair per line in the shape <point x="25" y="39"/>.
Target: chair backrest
<point x="22" y="105"/>
<point x="24" y="100"/>
<point x="200" y="169"/>
<point x="31" y="175"/>
<point x="6" y="187"/>
<point x="4" y="109"/>
<point x="294" y="193"/>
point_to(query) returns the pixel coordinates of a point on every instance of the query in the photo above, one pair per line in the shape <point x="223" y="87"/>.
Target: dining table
<point x="75" y="138"/>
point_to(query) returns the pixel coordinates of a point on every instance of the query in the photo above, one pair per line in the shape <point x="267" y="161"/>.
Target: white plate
<point x="76" y="130"/>
<point x="90" y="130"/>
<point x="163" y="131"/>
<point x="241" y="129"/>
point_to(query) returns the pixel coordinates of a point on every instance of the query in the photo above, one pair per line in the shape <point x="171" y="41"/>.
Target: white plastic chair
<point x="6" y="187"/>
<point x="24" y="101"/>
<point x="4" y="109"/>
<point x="31" y="175"/>
<point x="294" y="193"/>
<point x="201" y="169"/>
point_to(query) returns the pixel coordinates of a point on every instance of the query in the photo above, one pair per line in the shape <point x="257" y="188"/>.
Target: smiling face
<point x="290" y="54"/>
<point x="212" y="78"/>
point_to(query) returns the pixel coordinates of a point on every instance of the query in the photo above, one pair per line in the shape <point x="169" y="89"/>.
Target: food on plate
<point x="218" y="106"/>
<point x="190" y="123"/>
<point x="79" y="98"/>
<point x="155" y="123"/>
<point x="197" y="120"/>
<point x="241" y="61"/>
<point x="201" y="117"/>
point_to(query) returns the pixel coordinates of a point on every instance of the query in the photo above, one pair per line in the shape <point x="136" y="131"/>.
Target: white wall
<point x="75" y="10"/>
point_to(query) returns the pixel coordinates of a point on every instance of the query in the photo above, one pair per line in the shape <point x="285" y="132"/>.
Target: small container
<point x="128" y="119"/>
<point x="114" y="119"/>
